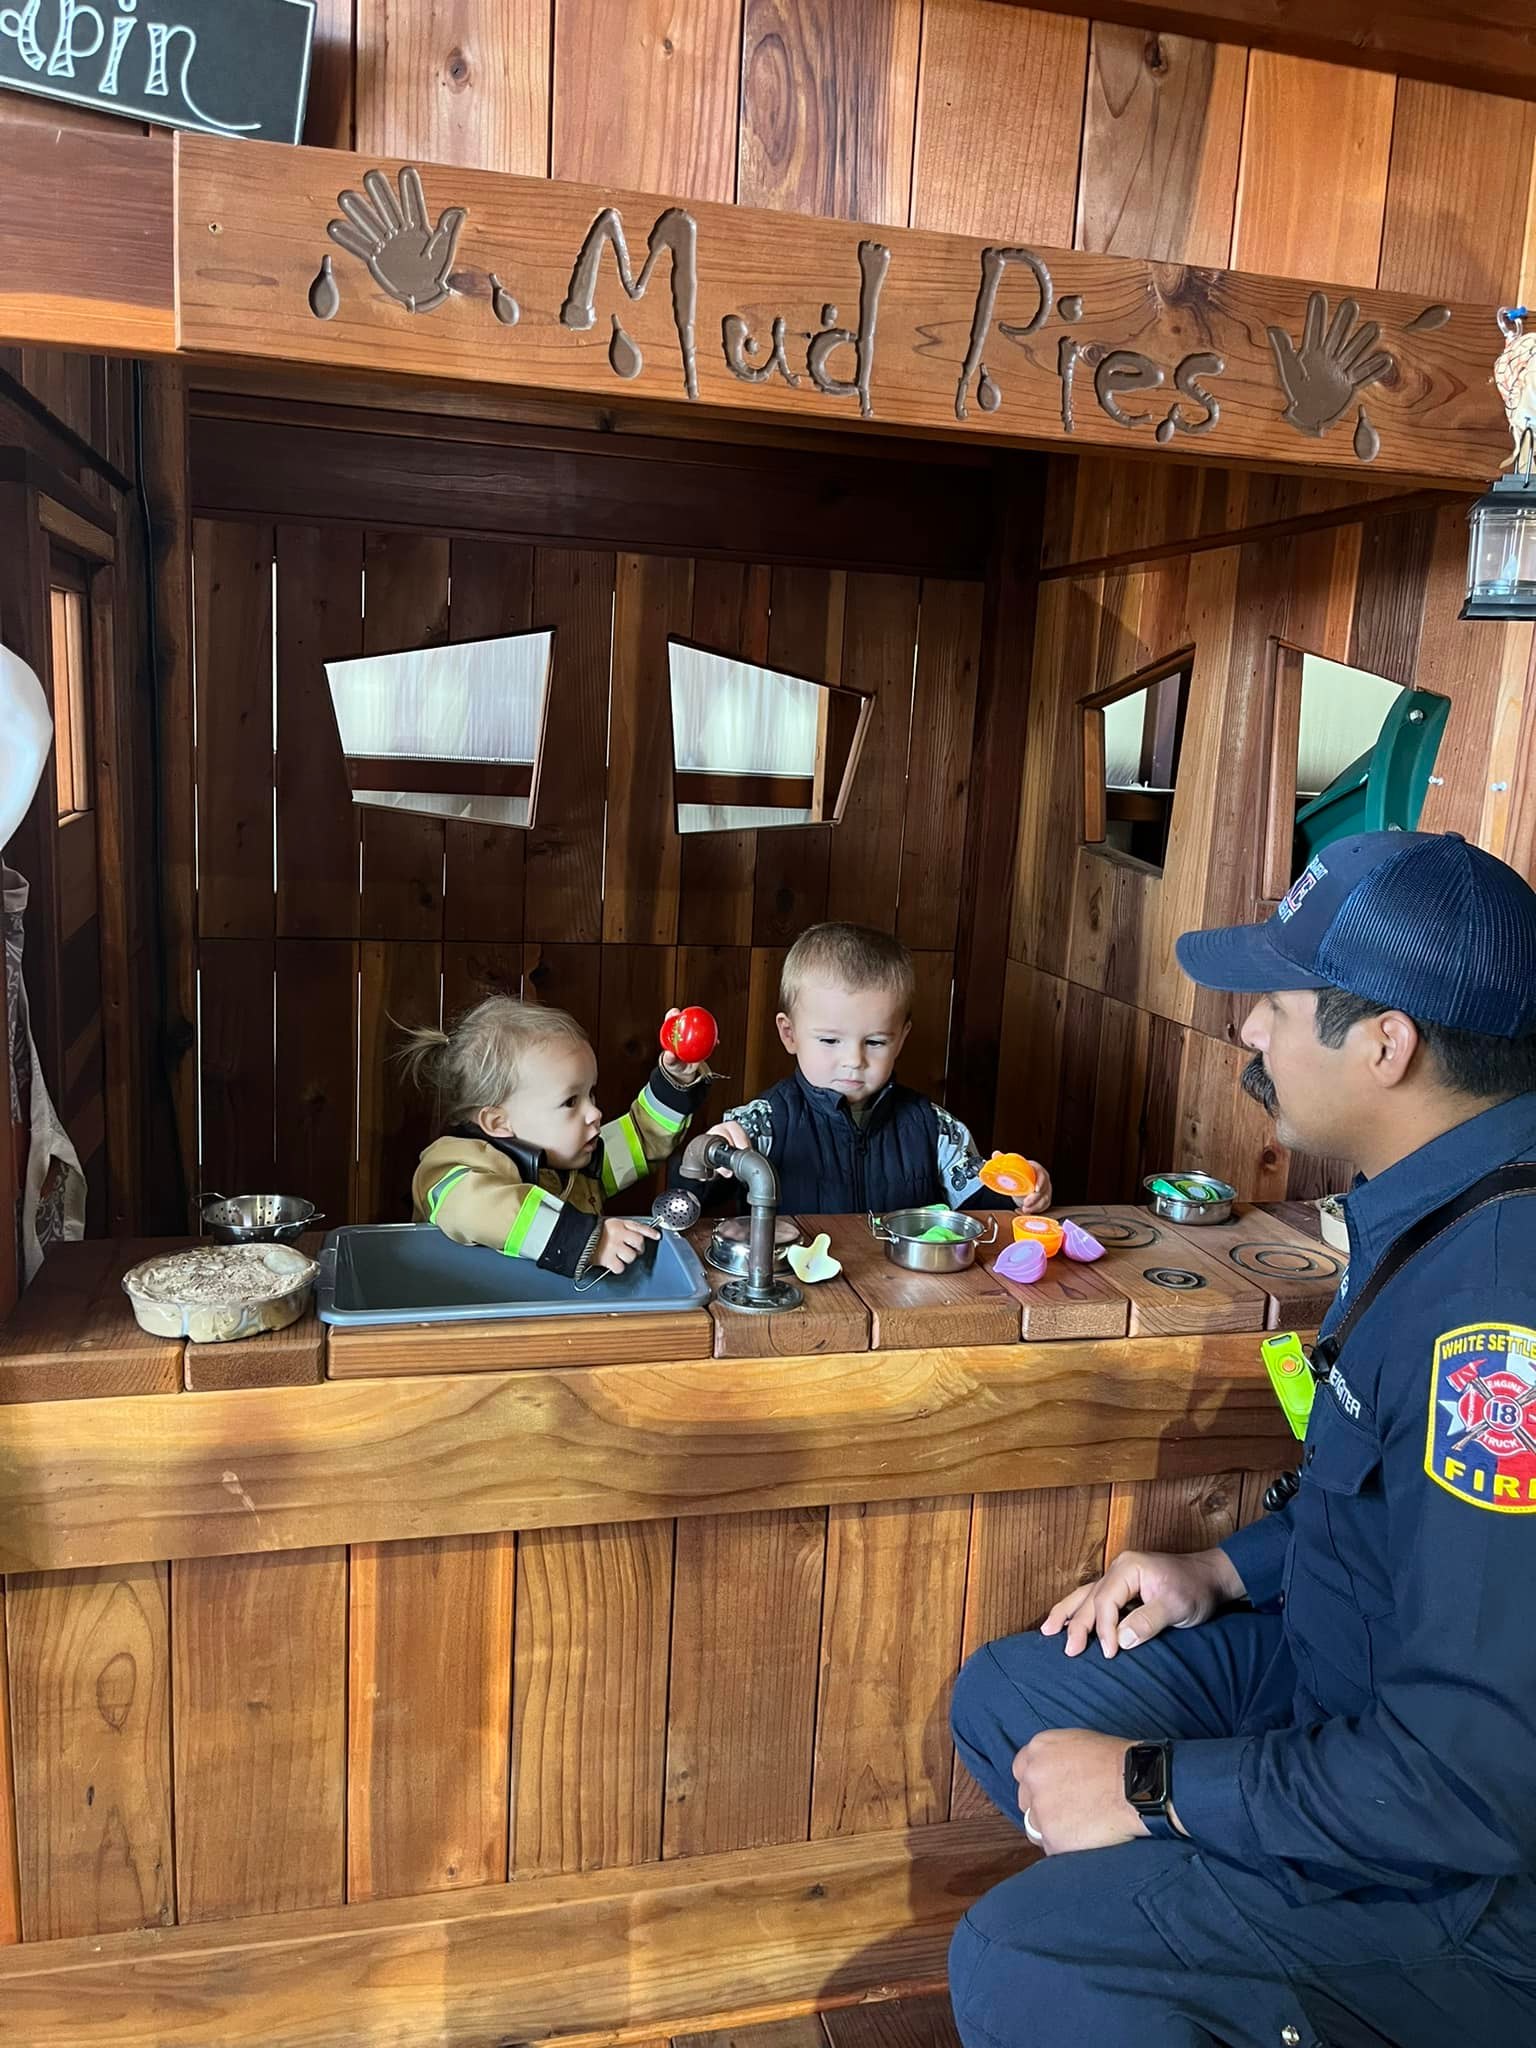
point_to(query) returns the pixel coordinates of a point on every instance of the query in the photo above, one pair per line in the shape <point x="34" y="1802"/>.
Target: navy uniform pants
<point x="1158" y="1945"/>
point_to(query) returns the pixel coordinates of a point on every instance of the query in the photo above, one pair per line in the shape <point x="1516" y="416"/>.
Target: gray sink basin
<point x="373" y="1273"/>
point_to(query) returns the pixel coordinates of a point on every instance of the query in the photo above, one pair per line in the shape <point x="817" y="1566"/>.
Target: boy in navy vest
<point x="842" y="1134"/>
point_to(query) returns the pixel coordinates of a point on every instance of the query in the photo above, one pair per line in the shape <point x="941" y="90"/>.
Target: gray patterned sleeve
<point x="756" y="1119"/>
<point x="959" y="1162"/>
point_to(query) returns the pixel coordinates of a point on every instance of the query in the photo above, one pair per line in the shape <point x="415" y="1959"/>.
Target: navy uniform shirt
<point x="1407" y="1565"/>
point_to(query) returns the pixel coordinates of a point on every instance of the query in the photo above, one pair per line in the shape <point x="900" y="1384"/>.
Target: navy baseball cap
<point x="1417" y="921"/>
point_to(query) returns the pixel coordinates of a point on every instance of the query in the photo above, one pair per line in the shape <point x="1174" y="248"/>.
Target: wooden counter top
<point x="516" y="1605"/>
<point x="73" y="1335"/>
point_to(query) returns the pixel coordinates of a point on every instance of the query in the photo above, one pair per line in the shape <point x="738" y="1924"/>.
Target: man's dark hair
<point x="1491" y="1069"/>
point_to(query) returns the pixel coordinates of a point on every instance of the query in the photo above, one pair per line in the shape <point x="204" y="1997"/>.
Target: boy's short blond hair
<point x="849" y="956"/>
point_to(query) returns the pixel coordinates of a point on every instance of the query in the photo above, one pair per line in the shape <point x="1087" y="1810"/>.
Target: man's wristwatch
<point x="1149" y="1786"/>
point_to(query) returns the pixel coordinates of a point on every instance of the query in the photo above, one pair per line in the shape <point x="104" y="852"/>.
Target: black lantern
<point x="1501" y="555"/>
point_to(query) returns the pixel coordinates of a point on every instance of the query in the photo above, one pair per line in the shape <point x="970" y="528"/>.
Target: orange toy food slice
<point x="1010" y="1173"/>
<point x="1044" y="1231"/>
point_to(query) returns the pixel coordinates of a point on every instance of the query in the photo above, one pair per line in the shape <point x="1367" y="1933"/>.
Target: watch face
<point x="1146" y="1774"/>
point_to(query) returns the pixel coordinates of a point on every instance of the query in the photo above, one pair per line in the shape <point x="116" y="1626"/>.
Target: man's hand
<point x="1174" y="1592"/>
<point x="1072" y="1789"/>
<point x="620" y="1242"/>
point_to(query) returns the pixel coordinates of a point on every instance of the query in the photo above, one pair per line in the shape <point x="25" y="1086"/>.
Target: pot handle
<point x="991" y="1236"/>
<point x="878" y="1230"/>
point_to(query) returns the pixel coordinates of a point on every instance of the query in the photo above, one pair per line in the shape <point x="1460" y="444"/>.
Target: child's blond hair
<point x="478" y="1062"/>
<point x="849" y="956"/>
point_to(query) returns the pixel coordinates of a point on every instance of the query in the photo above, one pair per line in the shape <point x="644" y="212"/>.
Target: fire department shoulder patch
<point x="1481" y="1442"/>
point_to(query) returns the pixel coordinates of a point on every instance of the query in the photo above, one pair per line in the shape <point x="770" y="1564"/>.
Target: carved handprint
<point x="407" y="256"/>
<point x="1322" y="376"/>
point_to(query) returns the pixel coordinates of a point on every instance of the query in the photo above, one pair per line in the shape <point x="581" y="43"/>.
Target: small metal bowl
<point x="902" y="1234"/>
<point x="1217" y="1208"/>
<point x="728" y="1250"/>
<point x="259" y="1219"/>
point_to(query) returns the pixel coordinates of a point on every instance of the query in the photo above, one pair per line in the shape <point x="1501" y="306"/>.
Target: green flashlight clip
<point x="1290" y="1374"/>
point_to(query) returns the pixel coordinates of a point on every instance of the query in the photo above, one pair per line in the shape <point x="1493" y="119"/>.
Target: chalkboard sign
<point x="224" y="67"/>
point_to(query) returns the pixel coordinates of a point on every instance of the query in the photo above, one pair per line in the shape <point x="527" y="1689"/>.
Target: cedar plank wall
<point x="968" y="116"/>
<point x="601" y="908"/>
<point x="1113" y="1065"/>
<point x="222" y="1737"/>
<point x="989" y="119"/>
<point x="973" y="117"/>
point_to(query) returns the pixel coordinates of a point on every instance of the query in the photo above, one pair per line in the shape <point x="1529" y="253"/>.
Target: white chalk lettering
<point x="121" y="31"/>
<point x="80" y="39"/>
<point x="65" y="49"/>
<point x="21" y="23"/>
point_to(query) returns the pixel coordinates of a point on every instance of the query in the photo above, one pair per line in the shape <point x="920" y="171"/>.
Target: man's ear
<point x="1395" y="1041"/>
<point x="786" y="1025"/>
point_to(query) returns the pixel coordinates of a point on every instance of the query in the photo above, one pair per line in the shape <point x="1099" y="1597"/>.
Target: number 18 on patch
<point x="1291" y="1377"/>
<point x="1481" y="1440"/>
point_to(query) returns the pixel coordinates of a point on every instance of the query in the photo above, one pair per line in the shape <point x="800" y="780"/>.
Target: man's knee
<point x="996" y="1707"/>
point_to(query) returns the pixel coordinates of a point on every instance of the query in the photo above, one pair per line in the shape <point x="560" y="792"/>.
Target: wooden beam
<point x="524" y="280"/>
<point x="366" y="1460"/>
<point x="85" y="537"/>
<point x="89" y="238"/>
<point x="934" y="334"/>
<point x="1486" y="45"/>
<point x="436" y="777"/>
<point x="800" y="505"/>
<point x="611" y="1955"/>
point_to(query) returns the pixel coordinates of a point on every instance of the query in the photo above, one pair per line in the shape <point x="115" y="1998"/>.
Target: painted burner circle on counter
<point x="1178" y="1278"/>
<point x="1115" y="1230"/>
<point x="1285" y="1262"/>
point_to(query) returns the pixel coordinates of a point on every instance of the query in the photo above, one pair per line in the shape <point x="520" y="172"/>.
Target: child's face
<point x="846" y="1039"/>
<point x="554" y="1105"/>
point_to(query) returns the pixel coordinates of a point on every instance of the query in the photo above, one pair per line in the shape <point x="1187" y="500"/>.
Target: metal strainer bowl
<point x="258" y="1219"/>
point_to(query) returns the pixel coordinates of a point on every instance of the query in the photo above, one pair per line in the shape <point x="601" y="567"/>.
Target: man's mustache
<point x="1256" y="1082"/>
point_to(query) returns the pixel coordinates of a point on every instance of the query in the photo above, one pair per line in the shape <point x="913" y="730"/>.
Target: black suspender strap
<point x="1498" y="1186"/>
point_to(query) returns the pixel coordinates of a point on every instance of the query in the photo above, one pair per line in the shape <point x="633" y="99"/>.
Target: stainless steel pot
<point x="1215" y="1208"/>
<point x="729" y="1246"/>
<point x="258" y="1219"/>
<point x="902" y="1234"/>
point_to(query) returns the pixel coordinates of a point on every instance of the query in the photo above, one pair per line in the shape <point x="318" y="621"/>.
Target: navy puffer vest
<point x="830" y="1165"/>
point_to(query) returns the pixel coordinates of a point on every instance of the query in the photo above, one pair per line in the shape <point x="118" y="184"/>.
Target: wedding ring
<point x="1030" y="1829"/>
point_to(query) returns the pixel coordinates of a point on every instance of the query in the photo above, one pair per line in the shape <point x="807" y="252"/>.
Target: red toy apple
<point x="690" y="1036"/>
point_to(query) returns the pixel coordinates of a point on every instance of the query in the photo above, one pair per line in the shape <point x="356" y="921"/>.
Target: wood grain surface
<point x="910" y="1311"/>
<point x="553" y="1958"/>
<point x="98" y="1482"/>
<point x="245" y="292"/>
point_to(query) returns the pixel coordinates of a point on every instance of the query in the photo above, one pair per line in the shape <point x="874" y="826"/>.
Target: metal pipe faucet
<point x="762" y="1290"/>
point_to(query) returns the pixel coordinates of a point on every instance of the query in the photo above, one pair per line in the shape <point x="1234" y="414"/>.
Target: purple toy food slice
<point x="1077" y="1244"/>
<point x="1024" y="1262"/>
